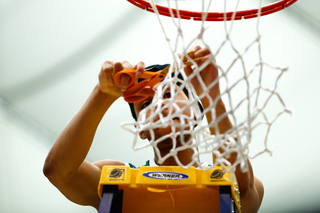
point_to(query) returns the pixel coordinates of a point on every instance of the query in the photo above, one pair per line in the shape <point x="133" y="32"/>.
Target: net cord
<point x="220" y="145"/>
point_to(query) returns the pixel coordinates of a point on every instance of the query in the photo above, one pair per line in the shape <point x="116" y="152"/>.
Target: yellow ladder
<point x="167" y="189"/>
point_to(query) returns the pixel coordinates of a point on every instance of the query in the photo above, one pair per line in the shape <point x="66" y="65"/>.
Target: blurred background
<point x="50" y="56"/>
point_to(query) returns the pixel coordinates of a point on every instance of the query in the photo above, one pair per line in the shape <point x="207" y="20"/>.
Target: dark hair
<point x="154" y="68"/>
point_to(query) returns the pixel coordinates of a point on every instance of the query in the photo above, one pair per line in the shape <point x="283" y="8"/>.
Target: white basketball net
<point x="247" y="98"/>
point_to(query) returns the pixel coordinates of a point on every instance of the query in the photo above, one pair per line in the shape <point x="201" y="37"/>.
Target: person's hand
<point x="109" y="69"/>
<point x="208" y="75"/>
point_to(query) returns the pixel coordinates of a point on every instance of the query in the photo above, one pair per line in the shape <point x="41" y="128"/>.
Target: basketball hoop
<point x="247" y="95"/>
<point x="214" y="16"/>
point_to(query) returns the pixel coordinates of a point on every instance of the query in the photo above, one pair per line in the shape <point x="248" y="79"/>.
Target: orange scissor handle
<point x="131" y="95"/>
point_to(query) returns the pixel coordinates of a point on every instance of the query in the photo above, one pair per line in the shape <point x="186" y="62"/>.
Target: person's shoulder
<point x="260" y="188"/>
<point x="251" y="201"/>
<point x="108" y="162"/>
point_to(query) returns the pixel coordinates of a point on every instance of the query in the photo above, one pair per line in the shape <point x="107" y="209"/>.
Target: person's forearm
<point x="245" y="179"/>
<point x="73" y="144"/>
<point x="224" y="123"/>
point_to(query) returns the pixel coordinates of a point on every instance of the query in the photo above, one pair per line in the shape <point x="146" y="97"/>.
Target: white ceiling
<point x="51" y="53"/>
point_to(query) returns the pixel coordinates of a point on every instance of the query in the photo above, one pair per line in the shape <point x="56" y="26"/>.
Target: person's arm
<point x="65" y="165"/>
<point x="251" y="188"/>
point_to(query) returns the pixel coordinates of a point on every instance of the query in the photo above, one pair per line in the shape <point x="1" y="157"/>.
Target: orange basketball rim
<point x="214" y="16"/>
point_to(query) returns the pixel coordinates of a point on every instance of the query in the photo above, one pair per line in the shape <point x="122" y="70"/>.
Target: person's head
<point x="182" y="97"/>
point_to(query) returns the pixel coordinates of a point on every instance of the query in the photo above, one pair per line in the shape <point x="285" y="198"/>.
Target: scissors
<point x="138" y="91"/>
